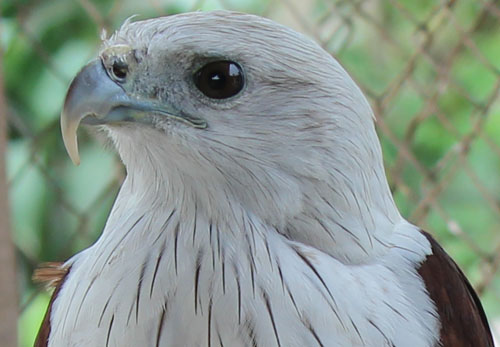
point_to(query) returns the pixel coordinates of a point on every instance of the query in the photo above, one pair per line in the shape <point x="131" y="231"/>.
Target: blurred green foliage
<point x="449" y="88"/>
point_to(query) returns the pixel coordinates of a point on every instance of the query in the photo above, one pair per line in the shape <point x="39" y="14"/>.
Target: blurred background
<point x="430" y="68"/>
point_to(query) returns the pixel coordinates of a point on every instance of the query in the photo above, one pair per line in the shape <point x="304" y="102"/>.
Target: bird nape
<point x="255" y="211"/>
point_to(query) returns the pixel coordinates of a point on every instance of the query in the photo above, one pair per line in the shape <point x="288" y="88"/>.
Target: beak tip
<point x="70" y="140"/>
<point x="76" y="161"/>
<point x="72" y="149"/>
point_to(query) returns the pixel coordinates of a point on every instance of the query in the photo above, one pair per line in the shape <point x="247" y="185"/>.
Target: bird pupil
<point x="217" y="81"/>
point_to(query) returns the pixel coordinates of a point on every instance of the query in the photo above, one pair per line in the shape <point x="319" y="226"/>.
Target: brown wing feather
<point x="463" y="321"/>
<point x="52" y="275"/>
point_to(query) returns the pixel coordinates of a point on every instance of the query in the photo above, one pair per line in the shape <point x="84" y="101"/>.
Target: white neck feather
<point x="350" y="214"/>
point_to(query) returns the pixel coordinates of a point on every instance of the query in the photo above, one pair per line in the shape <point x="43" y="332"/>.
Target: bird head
<point x="234" y="109"/>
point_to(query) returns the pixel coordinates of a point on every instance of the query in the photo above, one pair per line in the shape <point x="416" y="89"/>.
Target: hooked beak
<point x="94" y="98"/>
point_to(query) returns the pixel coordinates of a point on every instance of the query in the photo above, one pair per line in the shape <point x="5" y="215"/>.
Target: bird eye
<point x="119" y="70"/>
<point x="219" y="79"/>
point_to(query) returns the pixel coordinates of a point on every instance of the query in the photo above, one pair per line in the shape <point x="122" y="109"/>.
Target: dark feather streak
<point x="309" y="327"/>
<point x="123" y="238"/>
<point x="195" y="221"/>
<point x="176" y="241"/>
<point x="268" y="251"/>
<point x="160" y="325"/>
<point x="139" y="287"/>
<point x="85" y="297"/>
<point x="357" y="332"/>
<point x="381" y="332"/>
<point x="281" y="276"/>
<point x="293" y="301"/>
<point x="316" y="273"/>
<point x="155" y="272"/>
<point x="250" y="329"/>
<point x="209" y="337"/>
<point x="109" y="329"/>
<point x="220" y="339"/>
<point x="107" y="303"/>
<point x="197" y="281"/>
<point x="271" y="316"/>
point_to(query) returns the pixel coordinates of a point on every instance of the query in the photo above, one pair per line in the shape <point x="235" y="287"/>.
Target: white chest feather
<point x="169" y="279"/>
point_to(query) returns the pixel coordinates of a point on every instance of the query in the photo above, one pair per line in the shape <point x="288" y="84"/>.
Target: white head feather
<point x="297" y="147"/>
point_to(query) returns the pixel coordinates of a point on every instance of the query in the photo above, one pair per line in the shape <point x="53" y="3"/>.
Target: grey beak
<point x="91" y="92"/>
<point x="94" y="98"/>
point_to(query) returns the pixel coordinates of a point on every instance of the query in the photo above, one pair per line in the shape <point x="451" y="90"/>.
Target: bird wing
<point x="53" y="275"/>
<point x="463" y="321"/>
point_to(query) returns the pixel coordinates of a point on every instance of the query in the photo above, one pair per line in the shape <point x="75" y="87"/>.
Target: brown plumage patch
<point x="463" y="321"/>
<point x="51" y="275"/>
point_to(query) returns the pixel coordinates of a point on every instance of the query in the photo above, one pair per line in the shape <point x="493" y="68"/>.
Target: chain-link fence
<point x="431" y="70"/>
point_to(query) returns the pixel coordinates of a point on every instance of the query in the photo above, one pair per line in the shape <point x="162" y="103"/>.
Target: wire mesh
<point x="429" y="68"/>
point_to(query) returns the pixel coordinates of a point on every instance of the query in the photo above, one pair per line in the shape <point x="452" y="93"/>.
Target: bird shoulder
<point x="462" y="318"/>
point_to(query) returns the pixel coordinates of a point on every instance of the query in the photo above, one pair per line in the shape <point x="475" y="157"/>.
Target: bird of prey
<point x="255" y="211"/>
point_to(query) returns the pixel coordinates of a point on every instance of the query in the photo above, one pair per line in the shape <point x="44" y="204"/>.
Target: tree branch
<point x="8" y="293"/>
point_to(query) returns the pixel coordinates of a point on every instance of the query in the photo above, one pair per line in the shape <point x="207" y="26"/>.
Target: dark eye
<point x="119" y="70"/>
<point x="219" y="79"/>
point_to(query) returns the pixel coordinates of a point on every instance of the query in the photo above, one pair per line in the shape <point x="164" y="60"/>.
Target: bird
<point x="255" y="209"/>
